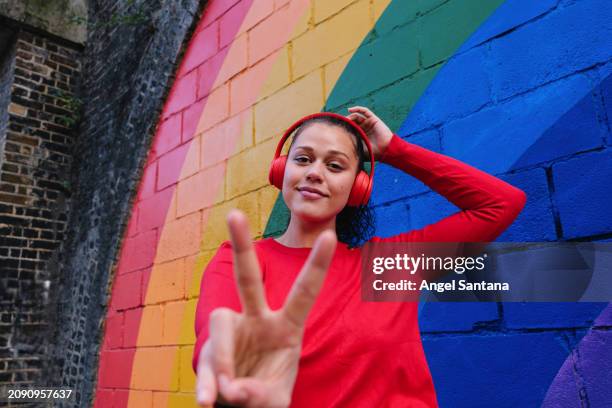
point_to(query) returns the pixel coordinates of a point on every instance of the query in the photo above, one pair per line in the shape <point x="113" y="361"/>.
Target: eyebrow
<point x="310" y="149"/>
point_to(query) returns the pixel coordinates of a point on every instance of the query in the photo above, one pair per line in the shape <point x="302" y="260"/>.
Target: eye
<point x="336" y="166"/>
<point x="301" y="159"/>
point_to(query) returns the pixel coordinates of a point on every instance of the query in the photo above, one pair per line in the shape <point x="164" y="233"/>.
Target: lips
<point x="311" y="192"/>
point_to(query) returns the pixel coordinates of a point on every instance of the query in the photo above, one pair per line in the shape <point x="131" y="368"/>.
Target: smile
<point x="311" y="194"/>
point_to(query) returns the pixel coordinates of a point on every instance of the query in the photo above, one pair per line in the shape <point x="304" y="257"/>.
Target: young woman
<point x="281" y="322"/>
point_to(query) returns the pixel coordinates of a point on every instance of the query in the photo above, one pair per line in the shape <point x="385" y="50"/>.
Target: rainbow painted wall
<point x="518" y="88"/>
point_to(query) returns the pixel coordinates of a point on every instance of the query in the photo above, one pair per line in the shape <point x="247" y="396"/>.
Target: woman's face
<point x="320" y="172"/>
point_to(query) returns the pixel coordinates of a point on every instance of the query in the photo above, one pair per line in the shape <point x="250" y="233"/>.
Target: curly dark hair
<point x="354" y="225"/>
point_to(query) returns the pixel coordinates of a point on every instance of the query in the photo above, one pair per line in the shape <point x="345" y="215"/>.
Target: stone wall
<point x="130" y="58"/>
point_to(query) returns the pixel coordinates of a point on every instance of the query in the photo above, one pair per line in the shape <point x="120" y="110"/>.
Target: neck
<point x="302" y="234"/>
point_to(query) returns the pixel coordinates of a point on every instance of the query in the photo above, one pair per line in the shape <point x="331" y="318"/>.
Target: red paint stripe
<point x="149" y="213"/>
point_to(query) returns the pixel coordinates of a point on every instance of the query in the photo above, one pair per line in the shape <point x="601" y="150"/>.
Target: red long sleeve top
<point x="367" y="354"/>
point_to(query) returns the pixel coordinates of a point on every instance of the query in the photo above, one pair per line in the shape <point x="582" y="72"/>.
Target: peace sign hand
<point x="377" y="131"/>
<point x="251" y="358"/>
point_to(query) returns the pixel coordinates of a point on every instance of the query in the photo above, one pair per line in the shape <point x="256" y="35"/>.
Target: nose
<point x="313" y="174"/>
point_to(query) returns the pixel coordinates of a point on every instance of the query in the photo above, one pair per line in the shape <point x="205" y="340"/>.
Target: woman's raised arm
<point x="488" y="205"/>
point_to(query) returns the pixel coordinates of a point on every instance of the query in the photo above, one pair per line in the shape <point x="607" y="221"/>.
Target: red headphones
<point x="362" y="187"/>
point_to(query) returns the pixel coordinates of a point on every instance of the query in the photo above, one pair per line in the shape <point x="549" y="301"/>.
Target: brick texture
<point x="39" y="100"/>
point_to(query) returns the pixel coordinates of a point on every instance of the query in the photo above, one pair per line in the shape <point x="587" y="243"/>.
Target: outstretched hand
<point x="251" y="358"/>
<point x="377" y="131"/>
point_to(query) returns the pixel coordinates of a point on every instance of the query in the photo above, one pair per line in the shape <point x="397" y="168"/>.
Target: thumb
<point x="261" y="394"/>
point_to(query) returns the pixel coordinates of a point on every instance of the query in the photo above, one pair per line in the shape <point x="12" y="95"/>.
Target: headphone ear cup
<point x="360" y="192"/>
<point x="277" y="171"/>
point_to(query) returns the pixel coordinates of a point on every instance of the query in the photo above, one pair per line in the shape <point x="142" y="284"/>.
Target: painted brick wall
<point x="519" y="89"/>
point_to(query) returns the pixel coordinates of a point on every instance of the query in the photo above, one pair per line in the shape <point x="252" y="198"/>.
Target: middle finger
<point x="356" y="116"/>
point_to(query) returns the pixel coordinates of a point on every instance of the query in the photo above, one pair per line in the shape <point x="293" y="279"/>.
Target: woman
<point x="305" y="338"/>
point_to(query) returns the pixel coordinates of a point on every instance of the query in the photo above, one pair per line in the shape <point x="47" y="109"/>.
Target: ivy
<point x="71" y="104"/>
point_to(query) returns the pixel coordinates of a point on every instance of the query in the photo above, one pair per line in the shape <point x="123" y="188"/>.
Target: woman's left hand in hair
<point x="377" y="131"/>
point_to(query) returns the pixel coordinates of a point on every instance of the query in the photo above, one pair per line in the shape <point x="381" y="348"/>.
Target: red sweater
<point x="367" y="354"/>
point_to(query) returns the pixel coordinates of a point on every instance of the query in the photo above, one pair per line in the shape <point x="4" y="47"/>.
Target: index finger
<point x="246" y="267"/>
<point x="306" y="287"/>
<point x="365" y="112"/>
